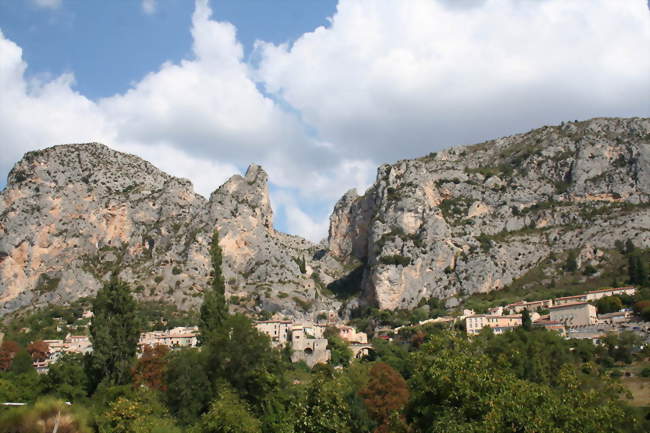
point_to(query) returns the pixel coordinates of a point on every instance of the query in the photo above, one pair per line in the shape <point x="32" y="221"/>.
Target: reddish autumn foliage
<point x="386" y="393"/>
<point x="39" y="350"/>
<point x="150" y="368"/>
<point x="8" y="350"/>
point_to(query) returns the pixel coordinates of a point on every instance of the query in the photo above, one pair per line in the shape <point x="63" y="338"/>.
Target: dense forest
<point x="426" y="379"/>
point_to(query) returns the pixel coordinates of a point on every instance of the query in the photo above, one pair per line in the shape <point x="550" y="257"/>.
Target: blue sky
<point x="319" y="92"/>
<point x="110" y="44"/>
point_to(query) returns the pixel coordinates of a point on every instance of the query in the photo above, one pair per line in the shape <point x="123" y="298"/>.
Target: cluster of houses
<point x="565" y="314"/>
<point x="307" y="341"/>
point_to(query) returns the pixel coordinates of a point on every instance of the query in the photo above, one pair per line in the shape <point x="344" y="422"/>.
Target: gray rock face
<point x="466" y="220"/>
<point x="473" y="219"/>
<point x="71" y="214"/>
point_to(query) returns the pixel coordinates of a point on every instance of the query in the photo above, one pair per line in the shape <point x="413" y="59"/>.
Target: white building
<point x="595" y="295"/>
<point x="277" y="330"/>
<point x="498" y="324"/>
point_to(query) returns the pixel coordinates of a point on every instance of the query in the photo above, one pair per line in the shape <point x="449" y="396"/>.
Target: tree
<point x="188" y="387"/>
<point x="150" y="368"/>
<point x="8" y="350"/>
<point x="609" y="304"/>
<point x="325" y="409"/>
<point x="66" y="378"/>
<point x="139" y="412"/>
<point x="339" y="349"/>
<point x="571" y="264"/>
<point x="385" y="394"/>
<point x="229" y="414"/>
<point x="114" y="333"/>
<point x="214" y="309"/>
<point x="638" y="269"/>
<point x="526" y="321"/>
<point x="22" y="363"/>
<point x="39" y="350"/>
<point x="241" y="356"/>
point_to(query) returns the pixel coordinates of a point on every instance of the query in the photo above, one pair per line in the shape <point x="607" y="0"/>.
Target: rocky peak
<point x="244" y="197"/>
<point x="476" y="218"/>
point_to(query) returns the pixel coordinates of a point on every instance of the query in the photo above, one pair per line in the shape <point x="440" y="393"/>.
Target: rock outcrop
<point x="465" y="220"/>
<point x="72" y="214"/>
<point x="474" y="219"/>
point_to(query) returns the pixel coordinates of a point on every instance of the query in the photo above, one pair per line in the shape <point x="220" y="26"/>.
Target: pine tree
<point x="213" y="310"/>
<point x="114" y="333"/>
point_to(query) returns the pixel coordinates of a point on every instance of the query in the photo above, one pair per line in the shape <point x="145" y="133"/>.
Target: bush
<point x="395" y="259"/>
<point x="645" y="372"/>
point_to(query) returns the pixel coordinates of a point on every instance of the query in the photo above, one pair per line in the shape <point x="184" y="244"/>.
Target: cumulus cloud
<point x="394" y="79"/>
<point x="47" y="4"/>
<point x="203" y="118"/>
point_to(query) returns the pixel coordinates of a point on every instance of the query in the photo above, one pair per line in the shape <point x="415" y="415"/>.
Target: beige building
<point x="552" y="326"/>
<point x="498" y="324"/>
<point x="518" y="307"/>
<point x="307" y="347"/>
<point x="576" y="314"/>
<point x="595" y="295"/>
<point x="277" y="330"/>
<point x="175" y="337"/>
<point x="350" y="334"/>
<point x="570" y="300"/>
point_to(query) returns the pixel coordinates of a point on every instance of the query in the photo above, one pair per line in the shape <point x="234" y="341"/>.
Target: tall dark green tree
<point x="638" y="269"/>
<point x="114" y="333"/>
<point x="214" y="309"/>
<point x="526" y="321"/>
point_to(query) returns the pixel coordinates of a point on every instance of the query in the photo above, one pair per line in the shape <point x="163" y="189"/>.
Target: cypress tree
<point x="213" y="310"/>
<point x="526" y="321"/>
<point x="114" y="333"/>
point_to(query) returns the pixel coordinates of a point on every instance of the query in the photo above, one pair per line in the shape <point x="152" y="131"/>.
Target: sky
<point x="319" y="92"/>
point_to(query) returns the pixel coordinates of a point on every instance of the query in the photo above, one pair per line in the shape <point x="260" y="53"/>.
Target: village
<point x="573" y="317"/>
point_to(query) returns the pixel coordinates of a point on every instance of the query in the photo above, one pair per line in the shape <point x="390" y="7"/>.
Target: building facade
<point x="576" y="314"/>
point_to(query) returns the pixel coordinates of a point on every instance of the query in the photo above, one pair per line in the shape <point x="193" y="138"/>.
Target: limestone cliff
<point x="475" y="218"/>
<point x="71" y="214"/>
<point x="465" y="220"/>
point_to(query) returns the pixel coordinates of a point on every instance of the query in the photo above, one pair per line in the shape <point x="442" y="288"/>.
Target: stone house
<point x="595" y="295"/>
<point x="576" y="314"/>
<point x="518" y="307"/>
<point x="307" y="347"/>
<point x="277" y="330"/>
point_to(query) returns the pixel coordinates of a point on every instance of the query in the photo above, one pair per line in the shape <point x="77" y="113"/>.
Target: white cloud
<point x="390" y="80"/>
<point x="149" y="6"/>
<point x="47" y="4"/>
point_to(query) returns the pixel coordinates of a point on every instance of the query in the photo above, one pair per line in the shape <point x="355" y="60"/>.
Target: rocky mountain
<point x="465" y="220"/>
<point x="71" y="214"/>
<point x="476" y="218"/>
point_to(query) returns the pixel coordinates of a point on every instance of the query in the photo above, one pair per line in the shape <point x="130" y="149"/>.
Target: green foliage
<point x="22" y="363"/>
<point x="228" y="414"/>
<point x="47" y="415"/>
<point x="609" y="304"/>
<point x="66" y="378"/>
<point x="339" y="349"/>
<point x="395" y="259"/>
<point x="458" y="389"/>
<point x="300" y="261"/>
<point x="241" y="356"/>
<point x="214" y="309"/>
<point x="526" y="322"/>
<point x="325" y="409"/>
<point x="141" y="412"/>
<point x="571" y="264"/>
<point x="188" y="387"/>
<point x="114" y="333"/>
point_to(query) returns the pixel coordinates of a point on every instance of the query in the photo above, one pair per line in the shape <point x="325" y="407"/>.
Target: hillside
<point x="466" y="220"/>
<point x="478" y="218"/>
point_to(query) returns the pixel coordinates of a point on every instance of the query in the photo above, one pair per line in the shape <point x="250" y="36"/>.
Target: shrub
<point x="395" y="259"/>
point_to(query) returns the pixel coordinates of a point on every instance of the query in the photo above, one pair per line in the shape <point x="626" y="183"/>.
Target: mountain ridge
<point x="464" y="220"/>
